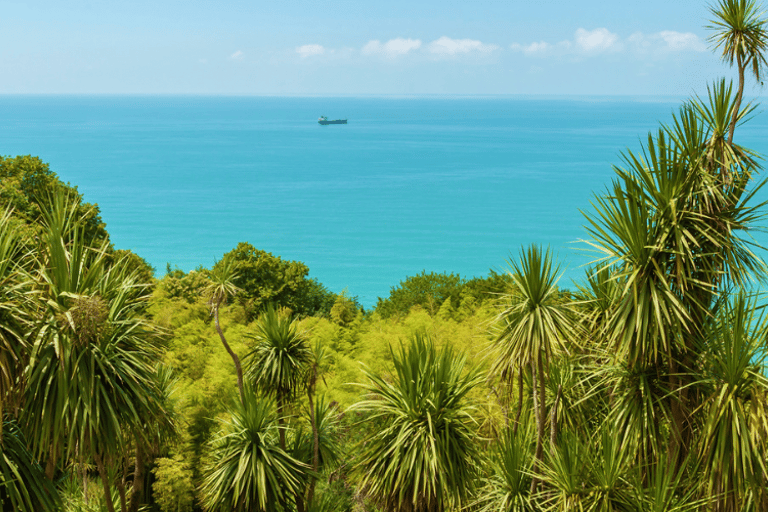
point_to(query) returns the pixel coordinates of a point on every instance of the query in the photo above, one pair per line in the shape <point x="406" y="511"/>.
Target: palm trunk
<point x="121" y="492"/>
<point x="519" y="400"/>
<point x="315" y="438"/>
<point x="281" y="419"/>
<point x="739" y="95"/>
<point x="137" y="490"/>
<point x="553" y="420"/>
<point x="50" y="467"/>
<point x="538" y="406"/>
<point x="235" y="359"/>
<point x="104" y="481"/>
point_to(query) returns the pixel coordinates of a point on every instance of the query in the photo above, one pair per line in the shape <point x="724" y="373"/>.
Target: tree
<point x="90" y="379"/>
<point x="344" y="310"/>
<point x="533" y="327"/>
<point x="428" y="290"/>
<point x="173" y="489"/>
<point x="249" y="471"/>
<point x="279" y="360"/>
<point x="221" y="287"/>
<point x="26" y="186"/>
<point x="740" y="29"/>
<point x="422" y="450"/>
<point x="23" y="484"/>
<point x="267" y="279"/>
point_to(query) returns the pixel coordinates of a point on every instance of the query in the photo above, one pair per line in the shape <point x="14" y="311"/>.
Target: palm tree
<point x="249" y="471"/>
<point x="507" y="486"/>
<point x="318" y="413"/>
<point x="735" y="407"/>
<point x="15" y="309"/>
<point x="740" y="30"/>
<point x="670" y="226"/>
<point x="22" y="481"/>
<point x="534" y="325"/>
<point x="222" y="286"/>
<point x="90" y="380"/>
<point x="318" y="448"/>
<point x="421" y="451"/>
<point x="23" y="484"/>
<point x="279" y="360"/>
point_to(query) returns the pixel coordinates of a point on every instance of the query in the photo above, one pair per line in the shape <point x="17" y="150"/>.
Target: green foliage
<point x="26" y="186"/>
<point x="422" y="450"/>
<point x="145" y="273"/>
<point x="248" y="469"/>
<point x="426" y="290"/>
<point x="23" y="485"/>
<point x="329" y="432"/>
<point x="507" y="486"/>
<point x="188" y="287"/>
<point x="434" y="291"/>
<point x="344" y="310"/>
<point x="280" y="357"/>
<point x="173" y="489"/>
<point x="267" y="279"/>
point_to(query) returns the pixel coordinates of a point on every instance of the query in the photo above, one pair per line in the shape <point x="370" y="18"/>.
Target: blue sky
<point x="301" y="47"/>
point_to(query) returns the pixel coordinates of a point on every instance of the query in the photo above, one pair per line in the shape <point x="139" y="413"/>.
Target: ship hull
<point x="335" y="121"/>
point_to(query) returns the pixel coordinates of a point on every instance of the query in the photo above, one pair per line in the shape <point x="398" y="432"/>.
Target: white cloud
<point x="309" y="50"/>
<point x="238" y="55"/>
<point x="667" y="41"/>
<point x="598" y="40"/>
<point x="392" y="48"/>
<point x="585" y="42"/>
<point x="446" y="46"/>
<point x="539" y="48"/>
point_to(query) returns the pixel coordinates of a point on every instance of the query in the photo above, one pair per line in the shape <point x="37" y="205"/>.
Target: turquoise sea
<point x="425" y="183"/>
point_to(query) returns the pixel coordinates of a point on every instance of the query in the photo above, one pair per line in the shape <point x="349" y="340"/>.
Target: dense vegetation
<point x="251" y="387"/>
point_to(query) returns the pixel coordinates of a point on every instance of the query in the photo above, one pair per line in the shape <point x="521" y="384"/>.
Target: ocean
<point x="443" y="184"/>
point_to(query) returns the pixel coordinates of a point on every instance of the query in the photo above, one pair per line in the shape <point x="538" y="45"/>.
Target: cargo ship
<point x="324" y="120"/>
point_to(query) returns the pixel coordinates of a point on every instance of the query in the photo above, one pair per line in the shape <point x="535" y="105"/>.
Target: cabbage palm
<point x="15" y="309"/>
<point x="248" y="470"/>
<point x="221" y="287"/>
<point x="422" y="450"/>
<point x="90" y="380"/>
<point x="23" y="485"/>
<point x="22" y="482"/>
<point x="735" y="408"/>
<point x="740" y="30"/>
<point x="670" y="225"/>
<point x="279" y="360"/>
<point x="507" y="486"/>
<point x="318" y="447"/>
<point x="534" y="325"/>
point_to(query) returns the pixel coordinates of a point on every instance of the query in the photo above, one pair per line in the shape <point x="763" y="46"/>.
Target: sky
<point x="357" y="47"/>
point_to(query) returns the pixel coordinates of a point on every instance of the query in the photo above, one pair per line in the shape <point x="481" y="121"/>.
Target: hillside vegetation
<point x="249" y="386"/>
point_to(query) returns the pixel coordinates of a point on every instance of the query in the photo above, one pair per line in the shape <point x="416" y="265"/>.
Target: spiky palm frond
<point x="741" y="30"/>
<point x="507" y="486"/>
<point x="91" y="374"/>
<point x="90" y="378"/>
<point x="23" y="485"/>
<point x="327" y="418"/>
<point x="222" y="284"/>
<point x="535" y="319"/>
<point x="422" y="450"/>
<point x="281" y="356"/>
<point x="734" y="410"/>
<point x="15" y="307"/>
<point x="248" y="469"/>
<point x="595" y="299"/>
